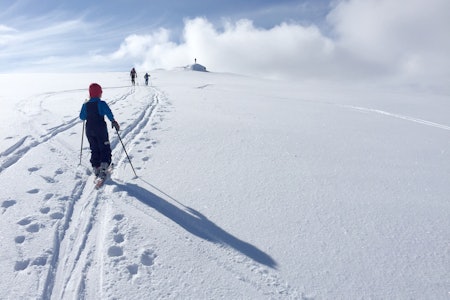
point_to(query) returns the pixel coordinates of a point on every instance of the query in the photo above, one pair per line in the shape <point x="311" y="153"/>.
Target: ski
<point x="99" y="182"/>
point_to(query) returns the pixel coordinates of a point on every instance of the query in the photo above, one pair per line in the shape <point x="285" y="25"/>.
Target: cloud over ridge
<point x="404" y="41"/>
<point x="401" y="40"/>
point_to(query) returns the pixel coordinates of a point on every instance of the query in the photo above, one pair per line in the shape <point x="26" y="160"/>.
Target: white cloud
<point x="402" y="40"/>
<point x="405" y="38"/>
<point x="55" y="42"/>
<point x="284" y="50"/>
<point x="47" y="39"/>
<point x="152" y="49"/>
<point x="4" y="28"/>
<point x="369" y="39"/>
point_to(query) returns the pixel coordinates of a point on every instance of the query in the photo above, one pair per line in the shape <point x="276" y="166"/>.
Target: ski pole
<point x="126" y="152"/>
<point x="82" y="138"/>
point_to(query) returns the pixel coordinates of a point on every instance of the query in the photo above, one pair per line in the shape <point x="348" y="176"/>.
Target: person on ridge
<point x="146" y="76"/>
<point x="133" y="76"/>
<point x="93" y="111"/>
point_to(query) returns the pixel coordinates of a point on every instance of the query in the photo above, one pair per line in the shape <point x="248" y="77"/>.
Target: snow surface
<point x="246" y="189"/>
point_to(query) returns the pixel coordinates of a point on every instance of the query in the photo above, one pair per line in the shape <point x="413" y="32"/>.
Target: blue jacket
<point x="103" y="109"/>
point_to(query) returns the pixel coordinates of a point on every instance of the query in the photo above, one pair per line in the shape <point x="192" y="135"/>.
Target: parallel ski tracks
<point x="27" y="143"/>
<point x="77" y="238"/>
<point x="133" y="130"/>
<point x="14" y="153"/>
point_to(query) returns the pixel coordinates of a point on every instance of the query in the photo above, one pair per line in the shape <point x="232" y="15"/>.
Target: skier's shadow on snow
<point x="195" y="223"/>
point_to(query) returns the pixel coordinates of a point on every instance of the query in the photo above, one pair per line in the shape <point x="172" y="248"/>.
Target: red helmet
<point x="95" y="90"/>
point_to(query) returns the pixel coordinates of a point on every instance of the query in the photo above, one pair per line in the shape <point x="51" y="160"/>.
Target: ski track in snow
<point x="385" y="113"/>
<point x="33" y="105"/>
<point x="80" y="233"/>
<point x="402" y="117"/>
<point x="81" y="197"/>
<point x="244" y="261"/>
<point x="88" y="233"/>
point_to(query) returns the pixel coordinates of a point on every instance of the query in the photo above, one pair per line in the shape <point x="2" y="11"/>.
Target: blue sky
<point x="383" y="39"/>
<point x="36" y="33"/>
<point x="140" y="14"/>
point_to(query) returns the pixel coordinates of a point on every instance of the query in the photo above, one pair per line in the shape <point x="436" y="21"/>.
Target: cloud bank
<point x="403" y="40"/>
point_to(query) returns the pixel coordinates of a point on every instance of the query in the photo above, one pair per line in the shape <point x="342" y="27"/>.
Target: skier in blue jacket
<point x="93" y="111"/>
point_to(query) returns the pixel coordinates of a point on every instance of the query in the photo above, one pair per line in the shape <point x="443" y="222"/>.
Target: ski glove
<point x="115" y="125"/>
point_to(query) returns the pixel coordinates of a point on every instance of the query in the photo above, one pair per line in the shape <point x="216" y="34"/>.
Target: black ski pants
<point x="99" y="144"/>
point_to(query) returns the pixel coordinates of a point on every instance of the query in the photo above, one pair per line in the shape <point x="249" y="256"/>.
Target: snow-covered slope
<point x="246" y="189"/>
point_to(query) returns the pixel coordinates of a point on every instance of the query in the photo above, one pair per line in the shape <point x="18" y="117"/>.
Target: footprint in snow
<point x="8" y="203"/>
<point x="115" y="251"/>
<point x="33" y="191"/>
<point x="118" y="217"/>
<point x="119" y="238"/>
<point x="133" y="269"/>
<point x="33" y="228"/>
<point x="148" y="257"/>
<point x="48" y="197"/>
<point x="44" y="210"/>
<point x="33" y="169"/>
<point x="48" y="179"/>
<point x="25" y="221"/>
<point x="39" y="261"/>
<point x="21" y="265"/>
<point x="19" y="239"/>
<point x="57" y="216"/>
<point x="30" y="227"/>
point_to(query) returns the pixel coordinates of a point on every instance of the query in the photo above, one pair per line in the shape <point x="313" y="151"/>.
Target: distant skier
<point x="133" y="76"/>
<point x="146" y="76"/>
<point x="93" y="111"/>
